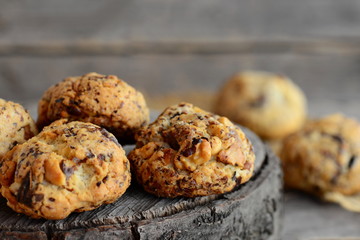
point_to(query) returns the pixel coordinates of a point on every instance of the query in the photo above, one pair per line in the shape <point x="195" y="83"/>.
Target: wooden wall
<point x="166" y="47"/>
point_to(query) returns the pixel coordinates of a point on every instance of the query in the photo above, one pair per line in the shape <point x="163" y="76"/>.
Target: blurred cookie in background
<point x="104" y="100"/>
<point x="269" y="104"/>
<point x="323" y="159"/>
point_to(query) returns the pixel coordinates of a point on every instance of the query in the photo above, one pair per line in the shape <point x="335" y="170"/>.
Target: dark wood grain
<point x="254" y="208"/>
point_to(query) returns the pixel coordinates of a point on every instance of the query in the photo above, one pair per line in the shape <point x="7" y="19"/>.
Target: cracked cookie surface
<point x="104" y="100"/>
<point x="69" y="166"/>
<point x="190" y="152"/>
<point x="323" y="158"/>
<point x="271" y="105"/>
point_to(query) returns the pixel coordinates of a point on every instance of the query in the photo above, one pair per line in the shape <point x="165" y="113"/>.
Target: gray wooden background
<point x="191" y="46"/>
<point x="163" y="46"/>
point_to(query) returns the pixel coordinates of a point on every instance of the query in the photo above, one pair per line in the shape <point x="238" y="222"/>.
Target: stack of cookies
<point x="77" y="163"/>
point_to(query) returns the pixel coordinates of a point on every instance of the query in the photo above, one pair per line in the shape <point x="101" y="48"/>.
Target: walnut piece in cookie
<point x="16" y="125"/>
<point x="269" y="104"/>
<point x="67" y="167"/>
<point x="323" y="158"/>
<point x="190" y="152"/>
<point x="104" y="100"/>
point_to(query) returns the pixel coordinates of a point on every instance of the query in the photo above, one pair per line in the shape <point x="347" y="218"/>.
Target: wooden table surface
<point x="184" y="50"/>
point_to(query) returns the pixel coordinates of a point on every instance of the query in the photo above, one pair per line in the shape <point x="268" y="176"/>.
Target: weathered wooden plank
<point x="23" y="235"/>
<point x="330" y="81"/>
<point x="102" y="232"/>
<point x="59" y="22"/>
<point x="309" y="218"/>
<point x="341" y="45"/>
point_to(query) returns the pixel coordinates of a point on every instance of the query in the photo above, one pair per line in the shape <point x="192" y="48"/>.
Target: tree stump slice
<point x="252" y="211"/>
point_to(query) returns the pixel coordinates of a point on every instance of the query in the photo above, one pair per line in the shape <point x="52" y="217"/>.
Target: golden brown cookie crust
<point x="104" y="100"/>
<point x="189" y="152"/>
<point x="323" y="156"/>
<point x="68" y="167"/>
<point x="269" y="104"/>
<point x="16" y="125"/>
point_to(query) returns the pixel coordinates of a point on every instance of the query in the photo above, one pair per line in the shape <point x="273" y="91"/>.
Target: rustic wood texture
<point x="330" y="81"/>
<point x="55" y="24"/>
<point x="251" y="212"/>
<point x="308" y="218"/>
<point x="169" y="46"/>
<point x="332" y="78"/>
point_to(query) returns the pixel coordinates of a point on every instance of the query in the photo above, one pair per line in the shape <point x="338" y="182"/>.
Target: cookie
<point x="16" y="125"/>
<point x="271" y="105"/>
<point x="104" y="100"/>
<point x="323" y="157"/>
<point x="190" y="152"/>
<point x="68" y="167"/>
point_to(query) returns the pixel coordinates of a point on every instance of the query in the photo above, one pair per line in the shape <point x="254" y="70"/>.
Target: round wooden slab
<point x="251" y="211"/>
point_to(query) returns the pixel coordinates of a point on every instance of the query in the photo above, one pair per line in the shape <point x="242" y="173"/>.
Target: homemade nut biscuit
<point x="322" y="159"/>
<point x="271" y="105"/>
<point x="104" y="100"/>
<point x="189" y="152"/>
<point x="69" y="166"/>
<point x="16" y="125"/>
